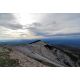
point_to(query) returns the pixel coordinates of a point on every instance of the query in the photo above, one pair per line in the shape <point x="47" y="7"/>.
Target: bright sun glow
<point x="24" y="18"/>
<point x="21" y="33"/>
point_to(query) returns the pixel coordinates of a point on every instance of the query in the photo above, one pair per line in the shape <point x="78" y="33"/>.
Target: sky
<point x="38" y="25"/>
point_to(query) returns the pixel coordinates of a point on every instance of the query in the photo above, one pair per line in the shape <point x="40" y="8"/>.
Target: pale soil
<point x="25" y="61"/>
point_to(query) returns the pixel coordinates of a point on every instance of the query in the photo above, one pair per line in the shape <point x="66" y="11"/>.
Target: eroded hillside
<point x="39" y="54"/>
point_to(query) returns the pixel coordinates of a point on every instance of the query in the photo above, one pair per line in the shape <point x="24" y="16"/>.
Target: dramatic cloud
<point x="39" y="25"/>
<point x="8" y="20"/>
<point x="55" y="24"/>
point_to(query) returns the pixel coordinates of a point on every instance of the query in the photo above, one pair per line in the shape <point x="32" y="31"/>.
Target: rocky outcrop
<point x="61" y="55"/>
<point x="47" y="55"/>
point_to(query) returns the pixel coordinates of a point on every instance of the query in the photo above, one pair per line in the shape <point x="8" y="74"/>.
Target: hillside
<point x="39" y="54"/>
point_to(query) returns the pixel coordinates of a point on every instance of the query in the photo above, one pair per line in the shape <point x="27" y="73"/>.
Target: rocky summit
<point x="41" y="54"/>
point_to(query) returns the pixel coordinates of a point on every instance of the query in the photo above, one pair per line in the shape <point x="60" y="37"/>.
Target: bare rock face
<point x="41" y="54"/>
<point x="57" y="56"/>
<point x="25" y="61"/>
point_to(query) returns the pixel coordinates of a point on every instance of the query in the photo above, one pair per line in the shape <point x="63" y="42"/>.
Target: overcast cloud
<point x="43" y="25"/>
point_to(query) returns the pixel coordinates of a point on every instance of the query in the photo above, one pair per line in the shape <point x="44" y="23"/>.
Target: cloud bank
<point x="43" y="25"/>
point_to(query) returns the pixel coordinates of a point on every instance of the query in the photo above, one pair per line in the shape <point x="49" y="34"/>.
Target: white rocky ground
<point x="34" y="51"/>
<point x="25" y="61"/>
<point x="39" y="51"/>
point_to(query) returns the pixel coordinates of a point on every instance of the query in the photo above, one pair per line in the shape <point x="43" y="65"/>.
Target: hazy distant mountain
<point x="68" y="41"/>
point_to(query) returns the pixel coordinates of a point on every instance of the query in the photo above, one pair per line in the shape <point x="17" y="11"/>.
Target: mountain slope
<point x="50" y="54"/>
<point x="40" y="53"/>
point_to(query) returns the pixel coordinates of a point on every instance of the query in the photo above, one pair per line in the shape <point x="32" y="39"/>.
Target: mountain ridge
<point x="45" y="54"/>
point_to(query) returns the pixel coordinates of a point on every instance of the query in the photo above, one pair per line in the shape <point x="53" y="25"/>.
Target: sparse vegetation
<point x="5" y="60"/>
